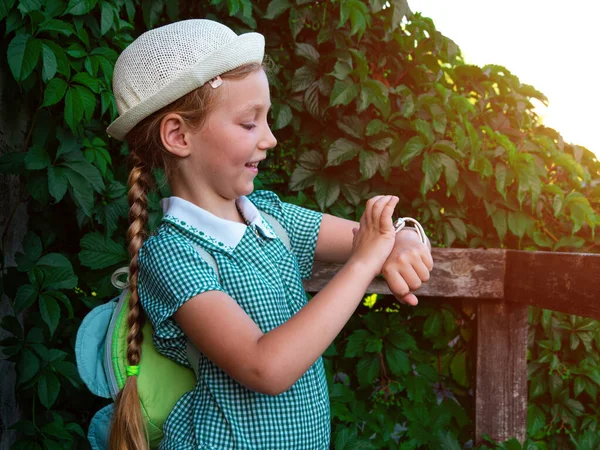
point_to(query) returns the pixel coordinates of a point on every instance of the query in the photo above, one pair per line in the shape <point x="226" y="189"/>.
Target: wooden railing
<point x="501" y="284"/>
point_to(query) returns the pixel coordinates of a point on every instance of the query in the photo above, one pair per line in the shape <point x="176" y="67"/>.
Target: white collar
<point x="205" y="224"/>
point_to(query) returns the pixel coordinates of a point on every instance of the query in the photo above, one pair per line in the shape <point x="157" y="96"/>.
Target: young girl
<point x="193" y="99"/>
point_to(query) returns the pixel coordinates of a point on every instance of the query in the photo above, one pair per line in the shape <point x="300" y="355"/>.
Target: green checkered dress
<point x="257" y="270"/>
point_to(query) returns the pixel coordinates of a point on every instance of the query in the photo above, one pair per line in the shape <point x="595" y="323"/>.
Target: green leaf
<point x="28" y="366"/>
<point x="55" y="90"/>
<point x="433" y="325"/>
<point x="5" y="7"/>
<point x="57" y="182"/>
<point x="80" y="7"/>
<point x="458" y="366"/>
<point x="343" y="93"/>
<point x="99" y="252"/>
<point x="326" y="192"/>
<point x="448" y="441"/>
<point x="459" y="227"/>
<point x="500" y="223"/>
<point x="89" y="102"/>
<point x="412" y="149"/>
<point x="450" y="169"/>
<point x="401" y="10"/>
<point x="381" y="144"/>
<point x="303" y="78"/>
<point x="276" y="8"/>
<point x="73" y="108"/>
<point x="50" y="312"/>
<point x="26" y="296"/>
<point x="352" y="125"/>
<point x="90" y="82"/>
<point x="569" y="241"/>
<point x="28" y="6"/>
<point x="375" y="126"/>
<point x="57" y="25"/>
<point x="397" y="360"/>
<point x="311" y="100"/>
<point x="542" y="240"/>
<point x="369" y="162"/>
<point x="302" y="178"/>
<point x="49" y="63"/>
<point x="23" y="53"/>
<point x="340" y="151"/>
<point x="107" y="18"/>
<point x="341" y="70"/>
<point x="432" y="168"/>
<point x="368" y="369"/>
<point x="32" y="246"/>
<point x="519" y="222"/>
<point x="284" y="117"/>
<point x="424" y="129"/>
<point x="58" y="271"/>
<point x="356" y="343"/>
<point x="90" y="173"/>
<point x="37" y="158"/>
<point x="501" y="179"/>
<point x="48" y="389"/>
<point x="82" y="192"/>
<point x="307" y="51"/>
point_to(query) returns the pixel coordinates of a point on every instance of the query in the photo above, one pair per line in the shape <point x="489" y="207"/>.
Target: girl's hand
<point x="374" y="239"/>
<point x="408" y="266"/>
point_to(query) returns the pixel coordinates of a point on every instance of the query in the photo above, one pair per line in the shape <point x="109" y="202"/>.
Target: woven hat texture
<point x="165" y="63"/>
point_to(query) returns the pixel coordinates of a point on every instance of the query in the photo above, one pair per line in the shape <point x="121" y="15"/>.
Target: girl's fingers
<point x="368" y="214"/>
<point x="385" y="220"/>
<point x="427" y="258"/>
<point x="378" y="207"/>
<point x="396" y="283"/>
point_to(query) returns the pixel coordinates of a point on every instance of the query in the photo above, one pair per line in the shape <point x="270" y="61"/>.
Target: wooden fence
<point x="502" y="283"/>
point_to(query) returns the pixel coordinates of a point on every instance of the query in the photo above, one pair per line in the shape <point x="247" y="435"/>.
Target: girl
<point x="193" y="99"/>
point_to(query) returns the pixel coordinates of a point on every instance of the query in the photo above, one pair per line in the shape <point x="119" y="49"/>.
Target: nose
<point x="269" y="141"/>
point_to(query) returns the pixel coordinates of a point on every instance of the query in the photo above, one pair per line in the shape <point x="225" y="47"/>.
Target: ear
<point x="175" y="135"/>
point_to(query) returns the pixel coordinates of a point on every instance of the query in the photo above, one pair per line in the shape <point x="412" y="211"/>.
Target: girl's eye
<point x="248" y="126"/>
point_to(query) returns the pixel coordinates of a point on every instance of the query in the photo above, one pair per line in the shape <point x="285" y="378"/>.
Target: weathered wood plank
<point x="501" y="371"/>
<point x="457" y="273"/>
<point x="565" y="282"/>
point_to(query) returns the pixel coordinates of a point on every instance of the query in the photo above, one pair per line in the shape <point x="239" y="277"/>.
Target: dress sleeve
<point x="301" y="224"/>
<point x="170" y="273"/>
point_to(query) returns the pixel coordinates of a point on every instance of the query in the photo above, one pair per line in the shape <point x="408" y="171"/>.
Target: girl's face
<point x="234" y="139"/>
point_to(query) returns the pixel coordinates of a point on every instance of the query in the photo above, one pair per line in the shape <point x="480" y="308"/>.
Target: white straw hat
<point x="166" y="63"/>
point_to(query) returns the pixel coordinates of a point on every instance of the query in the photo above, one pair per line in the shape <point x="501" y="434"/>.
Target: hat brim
<point x="244" y="49"/>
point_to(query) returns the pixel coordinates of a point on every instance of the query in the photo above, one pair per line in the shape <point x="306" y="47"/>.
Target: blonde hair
<point x="147" y="153"/>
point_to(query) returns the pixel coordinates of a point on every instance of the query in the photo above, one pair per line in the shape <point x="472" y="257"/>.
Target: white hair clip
<point x="215" y="82"/>
<point x="402" y="222"/>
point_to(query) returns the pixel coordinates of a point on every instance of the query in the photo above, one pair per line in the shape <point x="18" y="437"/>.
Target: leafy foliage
<point x="367" y="98"/>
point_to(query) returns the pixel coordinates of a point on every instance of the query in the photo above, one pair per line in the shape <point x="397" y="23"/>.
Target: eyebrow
<point x="254" y="107"/>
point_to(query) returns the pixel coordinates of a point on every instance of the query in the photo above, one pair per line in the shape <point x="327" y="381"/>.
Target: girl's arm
<point x="406" y="268"/>
<point x="271" y="362"/>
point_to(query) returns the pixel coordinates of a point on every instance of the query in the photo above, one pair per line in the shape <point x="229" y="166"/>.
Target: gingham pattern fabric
<point x="265" y="279"/>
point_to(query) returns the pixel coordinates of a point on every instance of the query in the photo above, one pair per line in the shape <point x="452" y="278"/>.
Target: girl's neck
<point x="218" y="206"/>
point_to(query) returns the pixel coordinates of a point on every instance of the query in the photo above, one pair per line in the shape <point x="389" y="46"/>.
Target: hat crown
<point x="159" y="56"/>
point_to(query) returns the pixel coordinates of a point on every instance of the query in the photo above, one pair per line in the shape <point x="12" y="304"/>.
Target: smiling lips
<point x="253" y="166"/>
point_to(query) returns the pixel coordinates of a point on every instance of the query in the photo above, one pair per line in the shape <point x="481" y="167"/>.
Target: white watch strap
<point x="403" y="221"/>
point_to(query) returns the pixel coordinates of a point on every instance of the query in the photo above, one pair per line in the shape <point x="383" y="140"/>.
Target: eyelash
<point x="248" y="126"/>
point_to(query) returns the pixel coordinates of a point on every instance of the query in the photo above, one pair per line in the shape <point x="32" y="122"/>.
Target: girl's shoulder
<point x="166" y="243"/>
<point x="267" y="201"/>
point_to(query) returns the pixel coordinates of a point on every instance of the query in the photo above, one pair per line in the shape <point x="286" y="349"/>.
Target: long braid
<point x="128" y="431"/>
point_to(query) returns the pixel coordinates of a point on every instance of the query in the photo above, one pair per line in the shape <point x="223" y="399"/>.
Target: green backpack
<point x="101" y="354"/>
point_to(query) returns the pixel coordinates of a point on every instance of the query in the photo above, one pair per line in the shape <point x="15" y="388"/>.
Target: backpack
<point x="101" y="356"/>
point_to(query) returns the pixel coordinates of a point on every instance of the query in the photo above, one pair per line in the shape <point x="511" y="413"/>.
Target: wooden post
<point x="501" y="372"/>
